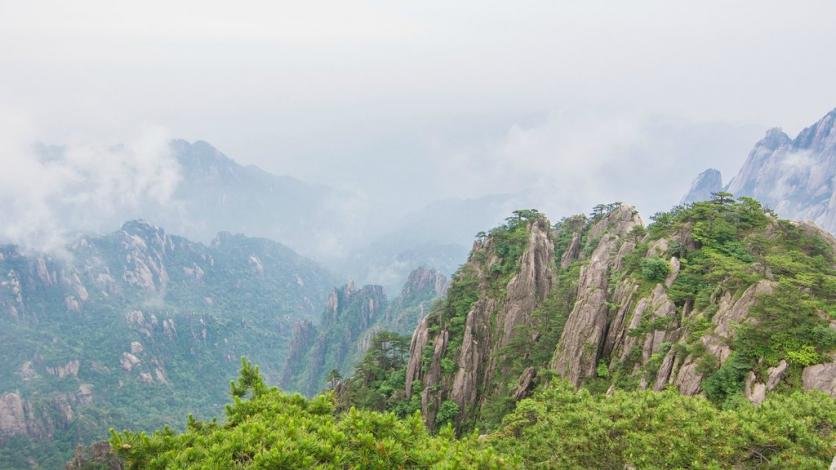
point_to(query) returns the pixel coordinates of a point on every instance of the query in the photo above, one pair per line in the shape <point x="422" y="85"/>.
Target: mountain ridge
<point x="794" y="177"/>
<point x="124" y="328"/>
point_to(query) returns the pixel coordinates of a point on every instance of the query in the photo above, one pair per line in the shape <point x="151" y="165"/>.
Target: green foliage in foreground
<point x="563" y="428"/>
<point x="558" y="427"/>
<point x="378" y="381"/>
<point x="266" y="428"/>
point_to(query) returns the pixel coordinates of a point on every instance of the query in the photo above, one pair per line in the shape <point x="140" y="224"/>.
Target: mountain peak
<point x="139" y="227"/>
<point x="819" y="136"/>
<point x="422" y="279"/>
<point x="706" y="183"/>
<point x="774" y="138"/>
<point x="201" y="158"/>
<point x="793" y="177"/>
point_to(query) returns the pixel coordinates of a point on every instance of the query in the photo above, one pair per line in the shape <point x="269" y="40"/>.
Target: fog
<point x="572" y="103"/>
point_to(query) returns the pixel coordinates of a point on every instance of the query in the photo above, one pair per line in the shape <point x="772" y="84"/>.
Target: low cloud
<point x="49" y="192"/>
<point x="568" y="161"/>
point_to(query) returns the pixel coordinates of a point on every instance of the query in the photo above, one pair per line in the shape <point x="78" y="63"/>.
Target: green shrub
<point x="447" y="413"/>
<point x="563" y="428"/>
<point x="655" y="269"/>
<point x="272" y="429"/>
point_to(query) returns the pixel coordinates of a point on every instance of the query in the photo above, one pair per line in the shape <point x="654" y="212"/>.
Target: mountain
<point x="216" y="193"/>
<point x="210" y="192"/>
<point x="137" y="327"/>
<point x="718" y="298"/>
<point x="704" y="339"/>
<point x="707" y="183"/>
<point x="794" y="177"/>
<point x="201" y="192"/>
<point x="351" y="318"/>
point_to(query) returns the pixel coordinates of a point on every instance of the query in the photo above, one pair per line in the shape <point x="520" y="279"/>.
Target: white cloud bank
<point x="48" y="192"/>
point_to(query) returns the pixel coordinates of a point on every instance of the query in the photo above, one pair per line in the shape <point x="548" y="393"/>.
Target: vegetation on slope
<point x="558" y="427"/>
<point x="721" y="248"/>
<point x="733" y="245"/>
<point x="266" y="428"/>
<point x="201" y="308"/>
<point x="564" y="428"/>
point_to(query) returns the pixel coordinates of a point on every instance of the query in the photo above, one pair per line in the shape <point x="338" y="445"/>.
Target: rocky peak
<point x="341" y="297"/>
<point x="424" y="279"/>
<point x="775" y="138"/>
<point x="349" y="315"/>
<point x="201" y="160"/>
<point x="793" y="177"/>
<point x="582" y="340"/>
<point x="474" y="341"/>
<point x="707" y="183"/>
<point x="819" y="137"/>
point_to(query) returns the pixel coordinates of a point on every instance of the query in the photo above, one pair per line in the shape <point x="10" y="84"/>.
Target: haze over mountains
<point x="115" y="329"/>
<point x="194" y="189"/>
<point x="417" y="234"/>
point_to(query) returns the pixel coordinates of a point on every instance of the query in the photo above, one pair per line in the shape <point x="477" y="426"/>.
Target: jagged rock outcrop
<point x="525" y="384"/>
<point x="616" y="305"/>
<point x="586" y="328"/>
<point x="756" y="391"/>
<point x="489" y="325"/>
<point x="98" y="455"/>
<point x="419" y="341"/>
<point x="422" y="288"/>
<point x="17" y="417"/>
<point x="315" y="351"/>
<point x="39" y="418"/>
<point x="350" y="319"/>
<point x="731" y="312"/>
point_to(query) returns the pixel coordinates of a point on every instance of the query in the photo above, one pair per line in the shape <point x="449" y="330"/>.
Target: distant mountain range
<point x="125" y="328"/>
<point x="137" y="327"/>
<point x="794" y="177"/>
<point x="338" y="228"/>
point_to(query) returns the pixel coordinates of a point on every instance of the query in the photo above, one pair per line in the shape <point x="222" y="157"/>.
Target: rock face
<point x="820" y="377"/>
<point x="19" y="416"/>
<point x="98" y="455"/>
<point x="756" y="391"/>
<point x="489" y="326"/>
<point x="16" y="417"/>
<point x="707" y="183"/>
<point x="350" y="318"/>
<point x="422" y="287"/>
<point x="586" y="328"/>
<point x="604" y="302"/>
<point x="794" y="177"/>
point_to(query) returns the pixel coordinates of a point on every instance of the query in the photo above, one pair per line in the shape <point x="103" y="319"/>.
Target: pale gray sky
<point x="582" y="102"/>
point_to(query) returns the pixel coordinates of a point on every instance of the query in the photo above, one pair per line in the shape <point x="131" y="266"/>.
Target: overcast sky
<point x="582" y="102"/>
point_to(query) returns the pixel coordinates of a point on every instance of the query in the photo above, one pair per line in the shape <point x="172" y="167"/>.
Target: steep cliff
<point x="719" y="298"/>
<point x="348" y="323"/>
<point x="348" y="314"/>
<point x="459" y="353"/>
